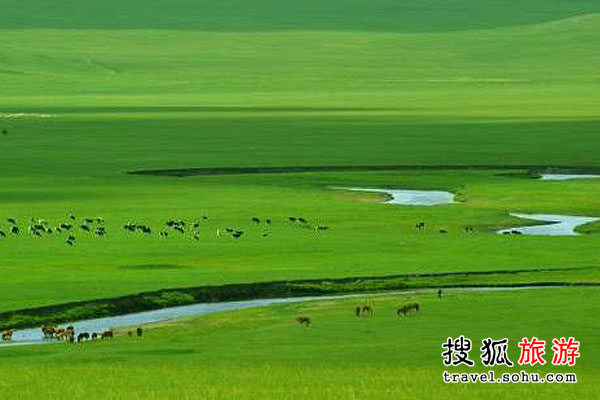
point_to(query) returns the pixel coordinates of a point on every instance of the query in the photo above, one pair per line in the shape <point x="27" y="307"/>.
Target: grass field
<point x="91" y="91"/>
<point x="365" y="238"/>
<point x="265" y="353"/>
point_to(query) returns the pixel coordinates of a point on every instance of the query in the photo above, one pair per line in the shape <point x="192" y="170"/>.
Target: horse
<point x="367" y="309"/>
<point x="303" y="320"/>
<point x="406" y="308"/>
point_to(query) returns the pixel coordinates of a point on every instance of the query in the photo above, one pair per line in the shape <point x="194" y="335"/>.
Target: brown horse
<point x="303" y="320"/>
<point x="406" y="308"/>
<point x="367" y="309"/>
<point x="7" y="335"/>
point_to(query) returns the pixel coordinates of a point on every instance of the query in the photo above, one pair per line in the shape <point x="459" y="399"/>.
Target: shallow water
<point x="560" y="225"/>
<point x="565" y="177"/>
<point x="34" y="335"/>
<point x="412" y="197"/>
<point x="99" y="325"/>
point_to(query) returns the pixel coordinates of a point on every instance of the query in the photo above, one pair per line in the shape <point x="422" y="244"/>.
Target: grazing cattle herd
<point x="173" y="227"/>
<point x="51" y="331"/>
<point x="68" y="334"/>
<point x="73" y="226"/>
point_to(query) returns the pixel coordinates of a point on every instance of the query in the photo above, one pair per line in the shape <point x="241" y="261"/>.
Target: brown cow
<point x="60" y="333"/>
<point x="107" y="335"/>
<point x="7" y="335"/>
<point x="49" y="331"/>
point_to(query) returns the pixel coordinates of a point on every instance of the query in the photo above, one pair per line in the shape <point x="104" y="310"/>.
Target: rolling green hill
<point x="461" y="57"/>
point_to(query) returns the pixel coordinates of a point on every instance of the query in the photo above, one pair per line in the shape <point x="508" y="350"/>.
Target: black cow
<point x="83" y="336"/>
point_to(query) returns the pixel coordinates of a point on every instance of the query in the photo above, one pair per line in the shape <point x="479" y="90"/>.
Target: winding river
<point x="558" y="225"/>
<point x="34" y="336"/>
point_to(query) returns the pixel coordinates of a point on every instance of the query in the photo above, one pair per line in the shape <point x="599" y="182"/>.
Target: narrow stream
<point x="34" y="335"/>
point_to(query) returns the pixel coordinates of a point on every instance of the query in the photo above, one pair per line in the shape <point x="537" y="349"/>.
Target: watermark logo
<point x="565" y="352"/>
<point x="457" y="351"/>
<point x="495" y="352"/>
<point x="532" y="352"/>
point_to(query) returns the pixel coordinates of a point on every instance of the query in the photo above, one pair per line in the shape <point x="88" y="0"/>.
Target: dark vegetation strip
<point x="185" y="172"/>
<point x="74" y="311"/>
<point x="191" y="109"/>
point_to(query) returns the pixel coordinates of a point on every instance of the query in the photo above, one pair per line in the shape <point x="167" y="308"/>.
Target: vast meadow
<point x="264" y="353"/>
<point x="469" y="97"/>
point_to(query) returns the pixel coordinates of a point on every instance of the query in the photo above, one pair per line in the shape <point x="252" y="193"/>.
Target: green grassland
<point x="365" y="238"/>
<point x="90" y="91"/>
<point x="263" y="352"/>
<point x="126" y="93"/>
<point x="430" y="58"/>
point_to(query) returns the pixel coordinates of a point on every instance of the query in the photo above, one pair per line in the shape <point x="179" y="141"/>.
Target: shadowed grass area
<point x="270" y="15"/>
